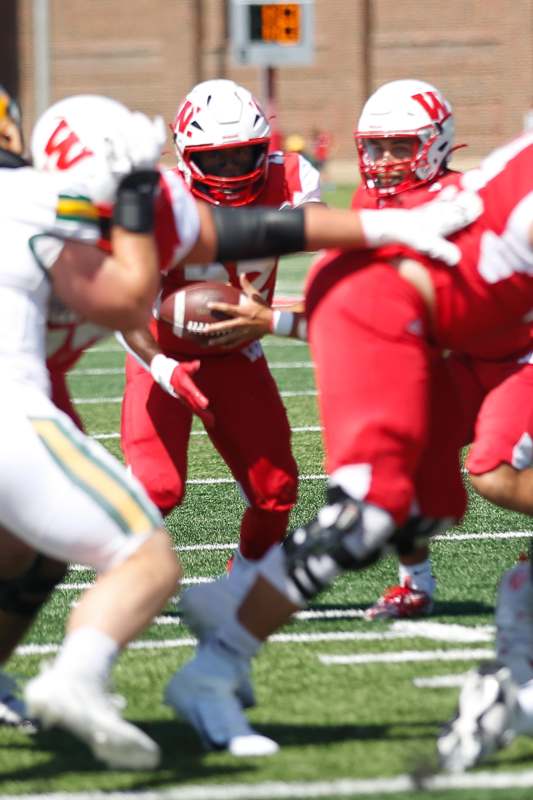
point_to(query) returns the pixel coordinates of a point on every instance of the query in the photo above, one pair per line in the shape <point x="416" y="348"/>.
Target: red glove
<point x="174" y="377"/>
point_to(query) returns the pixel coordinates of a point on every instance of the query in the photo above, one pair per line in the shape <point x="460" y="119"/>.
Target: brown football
<point x="186" y="311"/>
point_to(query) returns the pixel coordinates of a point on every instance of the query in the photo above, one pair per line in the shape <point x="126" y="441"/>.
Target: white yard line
<point x="93" y="401"/>
<point x="207" y="481"/>
<point x="84" y="373"/>
<point x="304" y="790"/>
<point x="440" y="681"/>
<point x="405" y="657"/>
<point x="274" y="342"/>
<point x="77" y="587"/>
<point x="448" y="538"/>
<point x="298" y="429"/>
<point x="308" y="638"/>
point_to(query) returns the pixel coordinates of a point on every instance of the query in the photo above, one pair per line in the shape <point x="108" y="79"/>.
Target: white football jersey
<point x="37" y="212"/>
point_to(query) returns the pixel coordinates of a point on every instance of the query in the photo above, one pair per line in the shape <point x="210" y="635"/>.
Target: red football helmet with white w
<point x="222" y="137"/>
<point x="404" y="136"/>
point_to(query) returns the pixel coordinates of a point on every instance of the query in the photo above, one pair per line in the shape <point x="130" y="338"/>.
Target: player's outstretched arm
<point x="232" y="234"/>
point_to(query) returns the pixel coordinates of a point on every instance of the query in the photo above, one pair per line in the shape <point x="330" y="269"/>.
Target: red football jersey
<point x="490" y="291"/>
<point x="514" y="338"/>
<point x="291" y="181"/>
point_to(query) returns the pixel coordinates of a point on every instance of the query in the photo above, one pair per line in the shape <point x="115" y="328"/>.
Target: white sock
<point x="419" y="575"/>
<point x="88" y="652"/>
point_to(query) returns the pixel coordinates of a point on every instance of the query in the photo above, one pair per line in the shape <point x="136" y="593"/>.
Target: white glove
<point x="423" y="228"/>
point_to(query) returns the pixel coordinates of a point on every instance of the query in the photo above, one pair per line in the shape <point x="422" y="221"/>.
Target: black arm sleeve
<point x="258" y="232"/>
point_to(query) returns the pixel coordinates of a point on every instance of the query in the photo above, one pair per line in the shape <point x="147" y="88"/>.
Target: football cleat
<point x="84" y="708"/>
<point x="205" y="693"/>
<point x="13" y="712"/>
<point x="203" y="608"/>
<point x="484" y="719"/>
<point x="401" y="602"/>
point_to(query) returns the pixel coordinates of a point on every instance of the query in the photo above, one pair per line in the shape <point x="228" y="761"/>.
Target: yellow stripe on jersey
<point x="94" y="478"/>
<point x="76" y="208"/>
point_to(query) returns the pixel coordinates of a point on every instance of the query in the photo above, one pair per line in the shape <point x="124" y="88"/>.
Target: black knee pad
<point x="416" y="532"/>
<point x="26" y="594"/>
<point x="317" y="552"/>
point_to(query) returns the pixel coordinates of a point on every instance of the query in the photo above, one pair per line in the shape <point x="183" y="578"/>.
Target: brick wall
<point x="148" y="54"/>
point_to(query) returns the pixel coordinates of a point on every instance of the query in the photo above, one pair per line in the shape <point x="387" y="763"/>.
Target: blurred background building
<point x="148" y="54"/>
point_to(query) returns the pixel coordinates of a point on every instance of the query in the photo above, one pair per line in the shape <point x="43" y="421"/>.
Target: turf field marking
<point x="93" y="401"/>
<point x="303" y="790"/>
<point x="276" y="342"/>
<point x="85" y="373"/>
<point x="77" y="587"/>
<point x="441" y="681"/>
<point x="298" y="429"/>
<point x="446" y="537"/>
<point x="304" y="638"/>
<point x="445" y="632"/>
<point x="207" y="481"/>
<point x="405" y="657"/>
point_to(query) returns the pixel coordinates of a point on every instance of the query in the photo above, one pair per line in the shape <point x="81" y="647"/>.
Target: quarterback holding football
<point x="222" y="141"/>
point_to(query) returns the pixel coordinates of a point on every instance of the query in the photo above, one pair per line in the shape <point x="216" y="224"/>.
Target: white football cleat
<point x="83" y="708"/>
<point x="205" y="692"/>
<point x="484" y="719"/>
<point x="203" y="608"/>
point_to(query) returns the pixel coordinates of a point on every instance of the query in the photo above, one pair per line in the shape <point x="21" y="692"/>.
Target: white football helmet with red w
<point x="222" y="138"/>
<point x="417" y="115"/>
<point x="96" y="140"/>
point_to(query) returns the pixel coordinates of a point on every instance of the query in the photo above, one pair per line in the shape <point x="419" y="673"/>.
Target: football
<point x="185" y="310"/>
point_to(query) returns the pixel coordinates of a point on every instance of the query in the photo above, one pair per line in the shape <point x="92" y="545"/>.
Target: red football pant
<point x="382" y="389"/>
<point x="251" y="433"/>
<point x="497" y="403"/>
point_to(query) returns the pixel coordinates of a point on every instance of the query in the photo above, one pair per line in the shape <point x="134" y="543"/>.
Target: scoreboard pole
<point x="271" y="35"/>
<point x="269" y="78"/>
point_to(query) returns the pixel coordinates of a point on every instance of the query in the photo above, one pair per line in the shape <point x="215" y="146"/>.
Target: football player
<point x="377" y="324"/>
<point x="222" y="140"/>
<point x="404" y="139"/>
<point x="76" y="503"/>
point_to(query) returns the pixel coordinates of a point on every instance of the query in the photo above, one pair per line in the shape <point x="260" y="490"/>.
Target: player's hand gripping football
<point x="423" y="228"/>
<point x="250" y="320"/>
<point x="175" y="378"/>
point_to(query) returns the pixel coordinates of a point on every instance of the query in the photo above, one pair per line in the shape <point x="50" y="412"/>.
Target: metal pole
<point x="269" y="99"/>
<point x="41" y="49"/>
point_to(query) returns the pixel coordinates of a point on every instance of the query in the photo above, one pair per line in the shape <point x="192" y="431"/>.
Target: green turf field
<point x="352" y="729"/>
